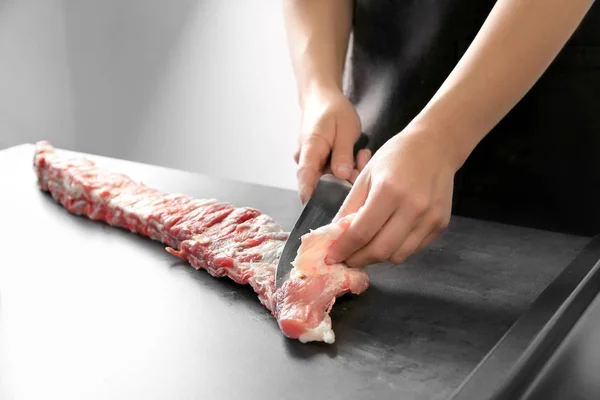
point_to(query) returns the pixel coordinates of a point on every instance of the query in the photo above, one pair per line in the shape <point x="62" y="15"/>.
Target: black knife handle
<point x="360" y="144"/>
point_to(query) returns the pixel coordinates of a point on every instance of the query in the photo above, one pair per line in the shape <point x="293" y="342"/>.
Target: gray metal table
<point x="88" y="311"/>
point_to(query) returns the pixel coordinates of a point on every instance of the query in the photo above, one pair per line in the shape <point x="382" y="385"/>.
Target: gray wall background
<point x="202" y="85"/>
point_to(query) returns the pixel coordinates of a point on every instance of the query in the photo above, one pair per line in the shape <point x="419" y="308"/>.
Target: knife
<point x="323" y="205"/>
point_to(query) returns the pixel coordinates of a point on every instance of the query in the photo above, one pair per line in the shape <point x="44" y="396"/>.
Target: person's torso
<point x="538" y="166"/>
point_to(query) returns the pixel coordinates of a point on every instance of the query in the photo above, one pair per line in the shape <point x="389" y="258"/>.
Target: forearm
<point x="318" y="32"/>
<point x="515" y="46"/>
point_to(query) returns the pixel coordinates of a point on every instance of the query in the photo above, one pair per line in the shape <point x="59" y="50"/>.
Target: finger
<point x="313" y="154"/>
<point x="298" y="148"/>
<point x="307" y="179"/>
<point x="409" y="247"/>
<point x="369" y="219"/>
<point x="427" y="241"/>
<point x="342" y="158"/>
<point x="355" y="199"/>
<point x="386" y="242"/>
<point x="362" y="158"/>
<point x="354" y="176"/>
<point x="440" y="226"/>
<point x="427" y="230"/>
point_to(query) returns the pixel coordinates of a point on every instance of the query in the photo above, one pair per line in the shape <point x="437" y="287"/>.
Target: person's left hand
<point x="402" y="200"/>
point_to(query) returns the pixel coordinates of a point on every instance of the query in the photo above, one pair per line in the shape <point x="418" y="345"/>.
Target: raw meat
<point x="238" y="242"/>
<point x="307" y="297"/>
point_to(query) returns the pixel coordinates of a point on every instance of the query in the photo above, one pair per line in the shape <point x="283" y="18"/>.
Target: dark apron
<point x="540" y="166"/>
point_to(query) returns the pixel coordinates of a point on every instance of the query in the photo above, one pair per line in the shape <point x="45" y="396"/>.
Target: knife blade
<point x="324" y="203"/>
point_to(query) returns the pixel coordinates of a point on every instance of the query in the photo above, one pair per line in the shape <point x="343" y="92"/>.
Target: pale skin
<point x="402" y="196"/>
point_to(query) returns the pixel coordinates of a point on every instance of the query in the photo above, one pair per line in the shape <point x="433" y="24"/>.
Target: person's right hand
<point x="330" y="124"/>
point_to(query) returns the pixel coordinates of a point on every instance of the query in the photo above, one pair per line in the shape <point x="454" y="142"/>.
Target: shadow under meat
<point x="418" y="325"/>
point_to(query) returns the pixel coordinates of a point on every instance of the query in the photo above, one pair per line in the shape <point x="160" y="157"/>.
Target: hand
<point x="330" y="124"/>
<point x="402" y="200"/>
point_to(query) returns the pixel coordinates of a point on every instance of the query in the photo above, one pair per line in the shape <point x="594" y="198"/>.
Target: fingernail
<point x="302" y="197"/>
<point x="344" y="169"/>
<point x="329" y="260"/>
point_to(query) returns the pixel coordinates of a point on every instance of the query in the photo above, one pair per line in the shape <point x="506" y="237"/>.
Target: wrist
<point x="318" y="89"/>
<point x="454" y="138"/>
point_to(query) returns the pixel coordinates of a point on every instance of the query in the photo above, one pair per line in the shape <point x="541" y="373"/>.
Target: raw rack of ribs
<point x="238" y="242"/>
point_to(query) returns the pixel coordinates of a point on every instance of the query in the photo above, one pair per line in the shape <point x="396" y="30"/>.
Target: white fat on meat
<point x="322" y="332"/>
<point x="310" y="261"/>
<point x="270" y="250"/>
<point x="315" y="245"/>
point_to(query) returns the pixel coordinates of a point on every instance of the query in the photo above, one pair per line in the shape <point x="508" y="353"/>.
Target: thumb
<point x="342" y="158"/>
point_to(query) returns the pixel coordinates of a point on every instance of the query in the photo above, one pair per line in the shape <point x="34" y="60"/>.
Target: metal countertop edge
<point x="509" y="368"/>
